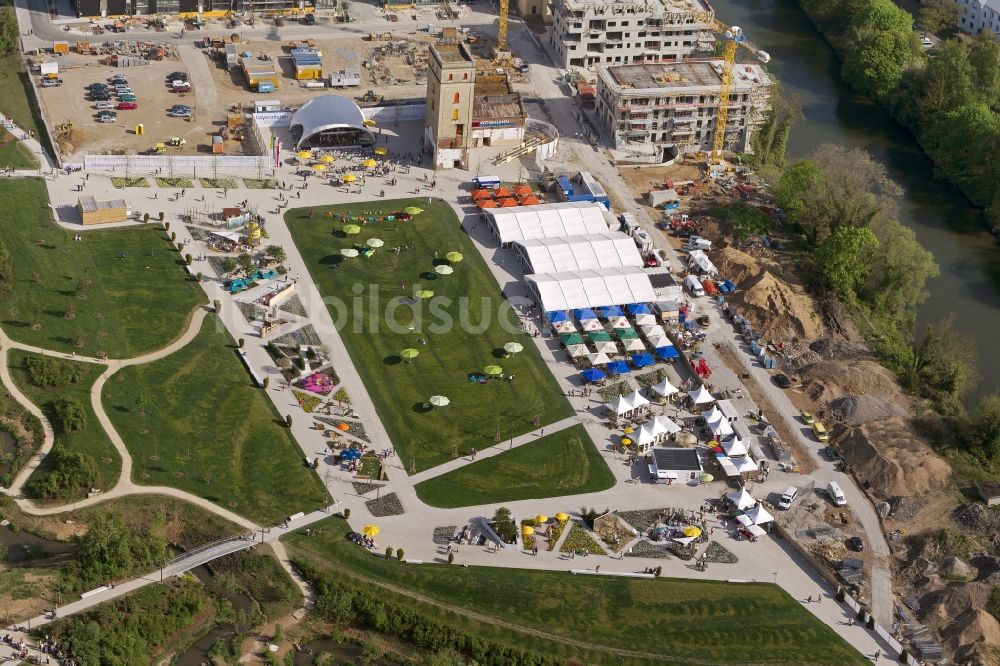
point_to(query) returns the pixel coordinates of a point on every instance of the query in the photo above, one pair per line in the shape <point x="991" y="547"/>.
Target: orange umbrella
<point x="530" y="201"/>
<point x="522" y="190"/>
<point x="343" y="426"/>
<point x="509" y="202"/>
<point x="501" y="192"/>
<point x="487" y="203"/>
<point x="481" y="194"/>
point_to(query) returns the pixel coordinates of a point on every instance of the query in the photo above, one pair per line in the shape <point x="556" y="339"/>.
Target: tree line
<point x="946" y="96"/>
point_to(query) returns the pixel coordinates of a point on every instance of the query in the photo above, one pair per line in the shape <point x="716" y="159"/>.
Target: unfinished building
<point x="587" y="33"/>
<point x="666" y="105"/>
<point x="188" y="8"/>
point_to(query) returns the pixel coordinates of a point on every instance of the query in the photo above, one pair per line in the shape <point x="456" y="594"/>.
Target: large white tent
<point x="625" y="404"/>
<point x="592" y="288"/>
<point x="734" y="447"/>
<point x="576" y="253"/>
<point x="699" y="262"/>
<point x="555" y="220"/>
<point x="756" y="516"/>
<point x="664" y="388"/>
<point x="742" y="499"/>
<point x="701" y="396"/>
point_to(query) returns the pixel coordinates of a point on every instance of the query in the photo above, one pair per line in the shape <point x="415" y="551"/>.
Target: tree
<point x="984" y="57"/>
<point x="938" y="16"/>
<point x="881" y="47"/>
<point x="9" y="32"/>
<point x="68" y="472"/>
<point x="982" y="432"/>
<point x="47" y="372"/>
<point x="188" y="259"/>
<point x="72" y="415"/>
<point x="400" y="554"/>
<point x="941" y="365"/>
<point x="276" y="252"/>
<point x="145" y="217"/>
<point x="228" y="265"/>
<point x="288" y="420"/>
<point x="796" y="188"/>
<point x="747" y="220"/>
<point x="6" y="271"/>
<point x="141" y="402"/>
<point x="246" y="264"/>
<point x="844" y="258"/>
<point x="900" y="269"/>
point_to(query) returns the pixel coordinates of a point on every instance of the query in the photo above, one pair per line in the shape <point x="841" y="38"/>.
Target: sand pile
<point x="736" y="266"/>
<point x="828" y="380"/>
<point x="888" y="456"/>
<point x="855" y="410"/>
<point x="973" y="637"/>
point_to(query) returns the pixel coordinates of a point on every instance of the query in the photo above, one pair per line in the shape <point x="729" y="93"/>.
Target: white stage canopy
<point x="555" y="220"/>
<point x="577" y="253"/>
<point x="591" y="289"/>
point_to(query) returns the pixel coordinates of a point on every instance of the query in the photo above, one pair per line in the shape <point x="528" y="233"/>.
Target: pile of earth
<point x="825" y="381"/>
<point x="890" y="459"/>
<point x="856" y="410"/>
<point x="955" y="612"/>
<point x="980" y="518"/>
<point x="775" y="308"/>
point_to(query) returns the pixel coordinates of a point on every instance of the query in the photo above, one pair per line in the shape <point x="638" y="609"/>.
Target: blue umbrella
<point x="610" y="311"/>
<point x="583" y="314"/>
<point x="638" y="309"/>
<point x="592" y="375"/>
<point x="667" y="352"/>
<point x="642" y="360"/>
<point x="556" y="316"/>
<point x="618" y="368"/>
<point x="350" y="454"/>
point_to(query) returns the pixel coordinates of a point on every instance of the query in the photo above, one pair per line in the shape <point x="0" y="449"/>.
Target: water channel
<point x="944" y="222"/>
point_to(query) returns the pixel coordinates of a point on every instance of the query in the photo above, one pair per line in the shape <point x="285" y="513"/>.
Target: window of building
<point x="454" y="114"/>
<point x="457" y="98"/>
<point x="451" y="76"/>
<point x="465" y="76"/>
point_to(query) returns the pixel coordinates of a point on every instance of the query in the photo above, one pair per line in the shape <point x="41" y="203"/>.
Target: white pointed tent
<point x="652" y="331"/>
<point x="714" y="414"/>
<point x="656" y="431"/>
<point x="665" y="388"/>
<point x="742" y="499"/>
<point x="719" y="425"/>
<point x="600" y="358"/>
<point x="734" y="447"/>
<point x="759" y="515"/>
<point x="619" y="322"/>
<point x="591" y="325"/>
<point x="638" y="400"/>
<point x="577" y="351"/>
<point x="645" y="319"/>
<point x="701" y="396"/>
<point x="633" y="345"/>
<point x="606" y="347"/>
<point x="626" y="404"/>
<point x="564" y="326"/>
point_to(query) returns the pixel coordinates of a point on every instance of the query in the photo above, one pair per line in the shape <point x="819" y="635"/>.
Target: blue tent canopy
<point x="618" y="368"/>
<point x="638" y="309"/>
<point x="556" y="316"/>
<point x="582" y="314"/>
<point x="592" y="375"/>
<point x="642" y="360"/>
<point x="350" y="454"/>
<point x="667" y="352"/>
<point x="610" y="311"/>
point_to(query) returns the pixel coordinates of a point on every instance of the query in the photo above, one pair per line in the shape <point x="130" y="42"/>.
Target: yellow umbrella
<point x="381" y="151"/>
<point x="352" y="229"/>
<point x="304" y="154"/>
<point x="425" y="293"/>
<point x="493" y="370"/>
<point x="319" y="167"/>
<point x="527" y="530"/>
<point x="562" y="517"/>
<point x="454" y="257"/>
<point x="370" y="530"/>
<point x="692" y="531"/>
<point x="327" y="159"/>
<point x="629" y="431"/>
<point x="350" y="178"/>
<point x="368" y="122"/>
<point x="626" y="441"/>
<point x="409" y="353"/>
<point x="541" y="518"/>
<point x="369" y="163"/>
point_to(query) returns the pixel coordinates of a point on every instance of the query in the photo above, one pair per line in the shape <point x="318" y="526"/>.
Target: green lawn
<point x="563" y="463"/>
<point x="718" y="623"/>
<point x="67" y="292"/>
<point x="91" y="440"/>
<point x="18" y="100"/>
<point x="210" y="432"/>
<point x="460" y="324"/>
<point x="14" y="154"/>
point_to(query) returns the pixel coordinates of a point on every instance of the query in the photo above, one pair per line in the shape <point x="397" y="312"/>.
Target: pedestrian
<point x="878" y="653"/>
<point x="597" y="569"/>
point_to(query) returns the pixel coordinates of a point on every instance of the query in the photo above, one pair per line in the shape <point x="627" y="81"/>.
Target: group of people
<point x="47" y="649"/>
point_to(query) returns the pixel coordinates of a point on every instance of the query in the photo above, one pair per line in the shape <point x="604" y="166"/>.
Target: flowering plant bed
<point x="579" y="540"/>
<point x="121" y="182"/>
<point x="387" y="505"/>
<point x="218" y="182"/>
<point x="719" y="554"/>
<point x="444" y="535"/>
<point x="307" y="401"/>
<point x="363" y="488"/>
<point x="260" y="183"/>
<point x="641" y="519"/>
<point x="609" y="393"/>
<point x="175" y="182"/>
<point x="646" y="549"/>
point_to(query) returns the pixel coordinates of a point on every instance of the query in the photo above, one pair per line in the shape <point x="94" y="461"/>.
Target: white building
<point x="676" y="104"/>
<point x="979" y="15"/>
<point x="585" y="33"/>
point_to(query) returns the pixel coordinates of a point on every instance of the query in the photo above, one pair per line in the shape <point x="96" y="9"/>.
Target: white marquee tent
<point x="591" y="289"/>
<point x="555" y="220"/>
<point x="600" y="358"/>
<point x="699" y="262"/>
<point x="577" y="253"/>
<point x="625" y="404"/>
<point x="664" y="388"/>
<point x="742" y="499"/>
<point x="755" y="516"/>
<point x="734" y="447"/>
<point x="701" y="396"/>
<point x="655" y="431"/>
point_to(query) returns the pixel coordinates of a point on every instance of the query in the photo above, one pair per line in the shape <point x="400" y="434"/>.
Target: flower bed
<point x="363" y="488"/>
<point x="609" y="393"/>
<point x="307" y="401"/>
<point x="444" y="535"/>
<point x="197" y="233"/>
<point x="260" y="183"/>
<point x="719" y="554"/>
<point x="175" y="182"/>
<point x="646" y="549"/>
<point x="387" y="505"/>
<point x="341" y="396"/>
<point x="293" y="305"/>
<point x="370" y="468"/>
<point x="579" y="540"/>
<point x="249" y="311"/>
<point x="554" y="534"/>
<point x="302" y="336"/>
<point x="615" y="535"/>
<point x="651" y="378"/>
<point x="218" y="183"/>
<point x="641" y="519"/>
<point x="121" y="182"/>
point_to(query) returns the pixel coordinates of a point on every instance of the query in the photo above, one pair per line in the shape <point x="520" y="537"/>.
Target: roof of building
<point x="679" y="75"/>
<point x="591" y="288"/>
<point x="644" y="6"/>
<point x="327" y="112"/>
<point x="574" y="253"/>
<point x="488" y="107"/>
<point x="552" y="220"/>
<point x="450" y="53"/>
<point x="681" y="460"/>
<point x="89" y="204"/>
<point x="304" y="57"/>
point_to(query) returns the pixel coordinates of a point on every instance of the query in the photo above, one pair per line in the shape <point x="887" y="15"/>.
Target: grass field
<point x="563" y="463"/>
<point x="14" y="154"/>
<point x="460" y="325"/>
<point x="91" y="440"/>
<point x="68" y="292"/>
<point x="210" y="432"/>
<point x="713" y="622"/>
<point x="18" y="101"/>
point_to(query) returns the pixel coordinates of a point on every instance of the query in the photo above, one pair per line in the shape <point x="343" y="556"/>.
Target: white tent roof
<point x="652" y="429"/>
<point x="653" y="331"/>
<point x="734" y="447"/>
<point x="742" y="499"/>
<point x="575" y="253"/>
<point x="759" y="515"/>
<point x="645" y="318"/>
<point x="714" y="415"/>
<point x="637" y="399"/>
<point x="619" y="322"/>
<point x="591" y="325"/>
<point x="626" y="403"/>
<point x="577" y="351"/>
<point x="698" y="259"/>
<point x="664" y="388"/>
<point x="324" y="113"/>
<point x="744" y="465"/>
<point x="634" y="344"/>
<point x="606" y="347"/>
<point x="721" y="428"/>
<point x="553" y="220"/>
<point x="600" y="358"/>
<point x="564" y="326"/>
<point x="701" y="396"/>
<point x="591" y="288"/>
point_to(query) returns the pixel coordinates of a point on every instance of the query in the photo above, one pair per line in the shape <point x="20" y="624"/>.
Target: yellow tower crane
<point x="502" y="26"/>
<point x="734" y="38"/>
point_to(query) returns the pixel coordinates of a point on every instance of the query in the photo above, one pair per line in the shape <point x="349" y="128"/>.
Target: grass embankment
<point x="461" y="325"/>
<point x="91" y="440"/>
<point x="121" y="291"/>
<point x="670" y="618"/>
<point x="20" y="105"/>
<point x="206" y="429"/>
<point x="563" y="463"/>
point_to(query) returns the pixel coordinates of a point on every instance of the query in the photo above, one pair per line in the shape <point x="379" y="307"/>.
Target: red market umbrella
<point x="530" y="201"/>
<point x="501" y="192"/>
<point x="488" y="203"/>
<point x="509" y="202"/>
<point x="522" y="190"/>
<point x="481" y="194"/>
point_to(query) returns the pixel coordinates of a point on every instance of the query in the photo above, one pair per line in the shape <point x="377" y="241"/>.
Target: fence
<point x="179" y="165"/>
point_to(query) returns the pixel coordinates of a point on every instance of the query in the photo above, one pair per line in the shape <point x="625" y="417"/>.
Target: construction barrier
<point x="193" y="166"/>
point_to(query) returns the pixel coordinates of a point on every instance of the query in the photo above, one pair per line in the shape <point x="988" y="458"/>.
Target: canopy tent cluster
<point x="626" y="404"/>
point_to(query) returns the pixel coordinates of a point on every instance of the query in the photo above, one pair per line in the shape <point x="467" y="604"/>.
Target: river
<point x="944" y="222"/>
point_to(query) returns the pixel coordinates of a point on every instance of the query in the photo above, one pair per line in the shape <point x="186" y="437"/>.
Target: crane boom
<point x="502" y="26"/>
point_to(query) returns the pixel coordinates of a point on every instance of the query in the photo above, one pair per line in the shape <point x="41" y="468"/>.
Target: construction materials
<point x="60" y="48"/>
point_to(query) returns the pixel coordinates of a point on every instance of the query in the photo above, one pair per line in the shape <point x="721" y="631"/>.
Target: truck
<point x="265" y="86"/>
<point x="345" y="78"/>
<point x="643" y="241"/>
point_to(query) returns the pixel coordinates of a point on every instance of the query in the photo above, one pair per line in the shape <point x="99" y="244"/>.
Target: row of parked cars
<point x="103" y="95"/>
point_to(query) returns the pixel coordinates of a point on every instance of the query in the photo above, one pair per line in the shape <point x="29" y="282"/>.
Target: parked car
<point x="831" y="453"/>
<point x="105" y="106"/>
<point x="180" y="111"/>
<point x="100" y="97"/>
<point x="820" y="431"/>
<point x="856" y="544"/>
<point x="124" y="91"/>
<point x="118" y="78"/>
<point x="787" y="497"/>
<point x="309" y="19"/>
<point x="97" y="86"/>
<point x="107" y="117"/>
<point x="807" y="417"/>
<point x="51" y="83"/>
<point x="127" y="106"/>
<point x="180" y="89"/>
<point x="127" y="98"/>
<point x="177" y="75"/>
<point x="782" y="380"/>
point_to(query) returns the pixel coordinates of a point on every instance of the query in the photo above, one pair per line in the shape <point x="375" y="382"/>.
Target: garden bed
<point x="646" y="549"/>
<point x="609" y="393"/>
<point x="307" y="401"/>
<point x="260" y="183"/>
<point x="651" y="378"/>
<point x="444" y="535"/>
<point x="175" y="182"/>
<point x="122" y="182"/>
<point x="301" y="336"/>
<point x="293" y="305"/>
<point x="387" y="505"/>
<point x="250" y="311"/>
<point x="580" y="540"/>
<point x="363" y="487"/>
<point x="716" y="553"/>
<point x="641" y="519"/>
<point x="218" y="183"/>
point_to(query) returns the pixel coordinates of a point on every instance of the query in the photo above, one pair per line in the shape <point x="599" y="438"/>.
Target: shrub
<point x="871" y="622"/>
<point x="451" y="558"/>
<point x="188" y="259"/>
<point x="399" y="554"/>
<point x="217" y="305"/>
<point x="162" y="215"/>
<point x="388" y="552"/>
<point x="659" y="570"/>
<point x="347" y="513"/>
<point x="199" y="277"/>
<point x="173" y="235"/>
<point x="71" y="473"/>
<point x="145" y="217"/>
<point x="504" y="525"/>
<point x="267" y="382"/>
<point x="841" y="594"/>
<point x="72" y="415"/>
<point x="47" y="372"/>
<point x="288" y="420"/>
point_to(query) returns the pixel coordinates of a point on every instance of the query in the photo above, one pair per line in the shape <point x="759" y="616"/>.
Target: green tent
<point x="571" y="339"/>
<point x="599" y="336"/>
<point x="626" y="333"/>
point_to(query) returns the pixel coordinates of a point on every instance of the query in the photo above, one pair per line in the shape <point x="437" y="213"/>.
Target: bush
<point x="69" y="473"/>
<point x="267" y="382"/>
<point x="400" y="554"/>
<point x="347" y="513"/>
<point x="162" y="215"/>
<point x="388" y="552"/>
<point x="199" y="277"/>
<point x="145" y="217"/>
<point x="659" y="570"/>
<point x="451" y="558"/>
<point x="47" y="372"/>
<point x="288" y="420"/>
<point x="241" y="342"/>
<point x="217" y="305"/>
<point x="504" y="525"/>
<point x="841" y="594"/>
<point x="72" y="415"/>
<point x="871" y="622"/>
<point x="188" y="259"/>
<point x="173" y="234"/>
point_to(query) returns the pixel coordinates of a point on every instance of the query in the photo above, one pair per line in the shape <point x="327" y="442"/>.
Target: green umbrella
<point x="375" y="242"/>
<point x="409" y="353"/>
<point x="413" y="210"/>
<point x="454" y="257"/>
<point x="513" y="347"/>
<point x="444" y="269"/>
<point x="349" y="252"/>
<point x="439" y="400"/>
<point x="707" y="478"/>
<point x="493" y="370"/>
<point x="352" y="229"/>
<point x="425" y="293"/>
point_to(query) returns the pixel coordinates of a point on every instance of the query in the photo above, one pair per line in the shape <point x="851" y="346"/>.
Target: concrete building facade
<point x="666" y="105"/>
<point x="587" y="33"/>
<point x="979" y="15"/>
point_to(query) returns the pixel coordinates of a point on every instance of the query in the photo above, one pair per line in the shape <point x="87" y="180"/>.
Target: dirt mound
<point x="736" y="266"/>
<point x="889" y="457"/>
<point x="956" y="568"/>
<point x="978" y="517"/>
<point x="972" y="629"/>
<point x="855" y="410"/>
<point x="836" y="348"/>
<point x="777" y="310"/>
<point x="828" y="380"/>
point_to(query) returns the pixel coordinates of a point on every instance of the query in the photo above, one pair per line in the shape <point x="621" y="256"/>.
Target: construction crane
<point x="502" y="26"/>
<point x="734" y="38"/>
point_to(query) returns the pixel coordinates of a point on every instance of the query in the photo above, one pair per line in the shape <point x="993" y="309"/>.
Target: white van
<point x="693" y="285"/>
<point x="836" y="494"/>
<point x="788" y="497"/>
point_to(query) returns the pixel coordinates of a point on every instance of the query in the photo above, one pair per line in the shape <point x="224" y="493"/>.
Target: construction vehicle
<point x="158" y="149"/>
<point x="176" y="142"/>
<point x="734" y="38"/>
<point x="370" y="98"/>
